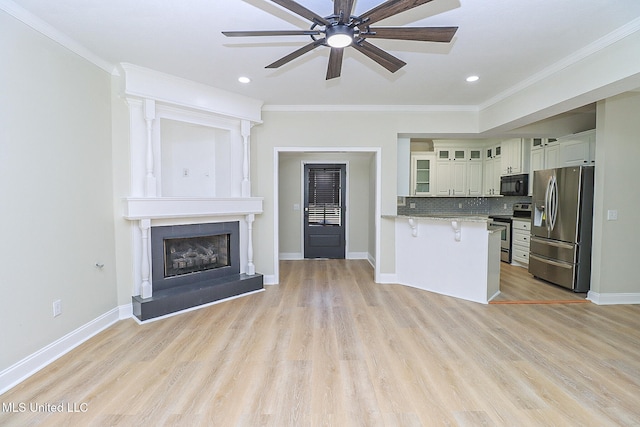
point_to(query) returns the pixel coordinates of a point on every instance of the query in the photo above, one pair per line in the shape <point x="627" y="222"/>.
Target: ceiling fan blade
<point x="293" y="55"/>
<point x="335" y="63"/>
<point x="383" y="58"/>
<point x="390" y="8"/>
<point x="271" y="33"/>
<point x="345" y="7"/>
<point x="298" y="9"/>
<point x="424" y="34"/>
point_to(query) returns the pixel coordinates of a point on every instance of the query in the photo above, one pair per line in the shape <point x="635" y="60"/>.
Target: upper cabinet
<point x="578" y="149"/>
<point x="545" y="153"/>
<point x="492" y="170"/>
<point x="451" y="171"/>
<point x="515" y="157"/>
<point x="422" y="174"/>
<point x="455" y="154"/>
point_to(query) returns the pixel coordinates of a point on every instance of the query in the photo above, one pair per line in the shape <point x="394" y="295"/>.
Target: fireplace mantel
<point x="188" y="207"/>
<point x="189" y="149"/>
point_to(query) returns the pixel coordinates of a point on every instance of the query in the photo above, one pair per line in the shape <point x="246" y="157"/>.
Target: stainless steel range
<point x="520" y="210"/>
<point x="503" y="222"/>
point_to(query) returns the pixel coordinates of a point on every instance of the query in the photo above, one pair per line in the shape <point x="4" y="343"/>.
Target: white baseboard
<point x="613" y="298"/>
<point x="387" y="278"/>
<point x="290" y="256"/>
<point x="372" y="260"/>
<point x="358" y="255"/>
<point x="28" y="366"/>
<point x="269" y="279"/>
<point x="125" y="311"/>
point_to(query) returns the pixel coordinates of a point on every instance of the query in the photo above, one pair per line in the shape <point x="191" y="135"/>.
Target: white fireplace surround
<point x="207" y="180"/>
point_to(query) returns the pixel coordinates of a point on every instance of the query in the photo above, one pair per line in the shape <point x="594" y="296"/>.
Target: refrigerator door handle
<point x="554" y="199"/>
<point x="561" y="245"/>
<point x="548" y="261"/>
<point x="547" y="205"/>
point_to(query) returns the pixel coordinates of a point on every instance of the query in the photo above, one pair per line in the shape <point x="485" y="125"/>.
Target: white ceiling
<point x="505" y="42"/>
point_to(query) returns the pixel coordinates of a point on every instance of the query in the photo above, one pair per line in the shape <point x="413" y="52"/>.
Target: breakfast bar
<point x="458" y="256"/>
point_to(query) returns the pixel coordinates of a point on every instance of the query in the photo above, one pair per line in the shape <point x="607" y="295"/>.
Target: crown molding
<point x="371" y="108"/>
<point x="49" y="31"/>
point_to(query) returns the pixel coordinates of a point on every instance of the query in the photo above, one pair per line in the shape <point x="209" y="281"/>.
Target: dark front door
<point x="324" y="208"/>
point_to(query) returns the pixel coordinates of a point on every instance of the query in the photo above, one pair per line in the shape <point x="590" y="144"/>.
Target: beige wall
<point x="358" y="219"/>
<point x="55" y="190"/>
<point x="615" y="249"/>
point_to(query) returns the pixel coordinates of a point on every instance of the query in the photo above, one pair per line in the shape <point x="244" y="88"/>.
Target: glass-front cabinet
<point x="422" y="172"/>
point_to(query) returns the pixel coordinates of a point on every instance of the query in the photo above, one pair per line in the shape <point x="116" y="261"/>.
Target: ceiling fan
<point x="342" y="30"/>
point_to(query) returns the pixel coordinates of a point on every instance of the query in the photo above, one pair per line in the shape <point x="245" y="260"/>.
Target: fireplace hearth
<point x="194" y="265"/>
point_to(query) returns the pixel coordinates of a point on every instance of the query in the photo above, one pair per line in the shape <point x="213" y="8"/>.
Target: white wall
<point x="195" y="160"/>
<point x="55" y="189"/>
<point x="358" y="219"/>
<point x="615" y="243"/>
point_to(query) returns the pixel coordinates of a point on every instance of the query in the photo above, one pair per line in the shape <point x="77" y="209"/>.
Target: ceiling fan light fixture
<point x="339" y="35"/>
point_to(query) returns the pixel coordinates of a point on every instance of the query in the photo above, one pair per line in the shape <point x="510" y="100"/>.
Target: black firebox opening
<point x="195" y="254"/>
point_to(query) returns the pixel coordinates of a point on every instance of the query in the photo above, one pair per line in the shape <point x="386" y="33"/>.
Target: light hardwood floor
<point x="330" y="347"/>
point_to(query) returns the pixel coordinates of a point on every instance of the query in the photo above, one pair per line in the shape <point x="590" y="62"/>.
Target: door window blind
<point x="325" y="206"/>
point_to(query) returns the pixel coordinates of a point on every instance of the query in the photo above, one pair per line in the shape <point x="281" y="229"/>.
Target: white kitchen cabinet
<point x="552" y="155"/>
<point x="452" y="154"/>
<point x="474" y="179"/>
<point x="451" y="178"/>
<point x="451" y="171"/>
<point x="515" y="159"/>
<point x="520" y="242"/>
<point x="544" y="153"/>
<point x="422" y="174"/>
<point x="578" y="149"/>
<point x="492" y="169"/>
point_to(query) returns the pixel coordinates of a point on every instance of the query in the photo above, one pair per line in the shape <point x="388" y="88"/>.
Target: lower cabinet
<point x="520" y="241"/>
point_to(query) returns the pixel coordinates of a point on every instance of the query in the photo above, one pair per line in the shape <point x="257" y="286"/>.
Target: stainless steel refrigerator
<point x="561" y="226"/>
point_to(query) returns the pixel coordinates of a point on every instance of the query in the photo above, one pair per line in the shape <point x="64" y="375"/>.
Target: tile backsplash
<point x="460" y="205"/>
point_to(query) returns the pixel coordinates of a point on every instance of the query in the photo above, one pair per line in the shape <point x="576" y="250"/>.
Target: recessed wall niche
<point x="195" y="160"/>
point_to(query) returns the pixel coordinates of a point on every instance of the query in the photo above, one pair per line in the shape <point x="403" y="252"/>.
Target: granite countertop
<point x="444" y="217"/>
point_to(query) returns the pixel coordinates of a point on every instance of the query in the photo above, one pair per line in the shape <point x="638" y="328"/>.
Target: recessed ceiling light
<point x="244" y="79"/>
<point x="473" y="79"/>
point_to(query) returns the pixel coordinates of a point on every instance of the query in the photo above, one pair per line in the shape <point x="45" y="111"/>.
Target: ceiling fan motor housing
<point x="339" y="35"/>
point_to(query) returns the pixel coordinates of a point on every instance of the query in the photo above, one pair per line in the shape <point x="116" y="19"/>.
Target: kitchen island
<point x="454" y="255"/>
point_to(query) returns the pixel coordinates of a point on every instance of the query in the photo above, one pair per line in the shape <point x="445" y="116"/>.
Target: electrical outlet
<point x="612" y="215"/>
<point x="412" y="205"/>
<point x="505" y="206"/>
<point x="57" y="308"/>
<point x="185" y="172"/>
<point x="459" y="205"/>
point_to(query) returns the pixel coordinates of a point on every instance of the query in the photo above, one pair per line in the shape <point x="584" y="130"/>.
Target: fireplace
<point x="186" y="254"/>
<point x="192" y="265"/>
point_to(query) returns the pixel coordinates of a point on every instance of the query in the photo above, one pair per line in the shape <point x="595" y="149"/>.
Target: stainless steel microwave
<point x="514" y="185"/>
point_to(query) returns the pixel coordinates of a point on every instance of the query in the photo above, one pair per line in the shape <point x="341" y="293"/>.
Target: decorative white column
<point x="146" y="291"/>
<point x="149" y="117"/>
<point x="251" y="269"/>
<point x="245" y="131"/>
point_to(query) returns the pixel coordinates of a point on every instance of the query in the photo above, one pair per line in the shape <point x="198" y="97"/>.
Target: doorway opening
<point x="288" y="191"/>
